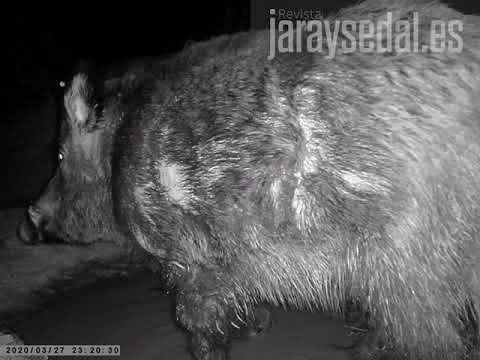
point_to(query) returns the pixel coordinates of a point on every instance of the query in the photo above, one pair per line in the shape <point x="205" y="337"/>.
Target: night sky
<point x="44" y="43"/>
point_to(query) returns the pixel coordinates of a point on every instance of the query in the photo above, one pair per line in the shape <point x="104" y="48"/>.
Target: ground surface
<point x="130" y="311"/>
<point x="29" y="273"/>
<point x="136" y="315"/>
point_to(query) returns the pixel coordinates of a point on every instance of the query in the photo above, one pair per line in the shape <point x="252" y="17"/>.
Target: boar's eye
<point x="60" y="155"/>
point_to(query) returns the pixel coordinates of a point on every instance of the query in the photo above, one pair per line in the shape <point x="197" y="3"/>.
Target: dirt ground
<point x="130" y="311"/>
<point x="136" y="315"/>
<point x="30" y="273"/>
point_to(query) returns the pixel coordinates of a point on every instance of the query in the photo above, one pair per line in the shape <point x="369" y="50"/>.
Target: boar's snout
<point x="29" y="230"/>
<point x="40" y="219"/>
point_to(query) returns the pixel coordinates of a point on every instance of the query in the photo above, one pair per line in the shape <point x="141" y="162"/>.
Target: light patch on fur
<point x="366" y="182"/>
<point x="309" y="164"/>
<point x="311" y="127"/>
<point x="275" y="190"/>
<point x="309" y="160"/>
<point x="300" y="206"/>
<point x="172" y="178"/>
<point x="313" y="152"/>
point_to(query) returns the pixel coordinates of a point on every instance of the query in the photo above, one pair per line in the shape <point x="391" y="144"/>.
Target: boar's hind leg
<point x="209" y="309"/>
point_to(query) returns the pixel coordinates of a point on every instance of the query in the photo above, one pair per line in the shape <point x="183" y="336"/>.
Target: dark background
<point x="43" y="45"/>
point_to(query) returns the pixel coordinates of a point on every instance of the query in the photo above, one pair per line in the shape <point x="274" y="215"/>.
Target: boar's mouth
<point x="38" y="227"/>
<point x="30" y="234"/>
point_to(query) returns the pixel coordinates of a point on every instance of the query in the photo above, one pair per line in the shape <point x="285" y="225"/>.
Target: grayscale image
<point x="291" y="180"/>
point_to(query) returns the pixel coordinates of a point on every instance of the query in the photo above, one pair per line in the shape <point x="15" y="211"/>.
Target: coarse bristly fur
<point x="302" y="181"/>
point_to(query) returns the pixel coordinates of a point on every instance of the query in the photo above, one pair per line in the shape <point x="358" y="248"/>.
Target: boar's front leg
<point x="202" y="310"/>
<point x="212" y="312"/>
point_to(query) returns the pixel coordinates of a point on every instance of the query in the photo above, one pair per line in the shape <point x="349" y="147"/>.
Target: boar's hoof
<point x="203" y="314"/>
<point x="261" y="321"/>
<point x="206" y="312"/>
<point x="370" y="346"/>
<point x="203" y="348"/>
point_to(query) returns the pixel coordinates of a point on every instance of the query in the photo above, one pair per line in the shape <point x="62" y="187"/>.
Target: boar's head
<point x="76" y="205"/>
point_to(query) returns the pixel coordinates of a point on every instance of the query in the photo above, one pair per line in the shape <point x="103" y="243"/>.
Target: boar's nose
<point x="30" y="230"/>
<point x="40" y="215"/>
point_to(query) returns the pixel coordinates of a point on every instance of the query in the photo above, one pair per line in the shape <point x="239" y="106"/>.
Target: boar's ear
<point x="79" y="102"/>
